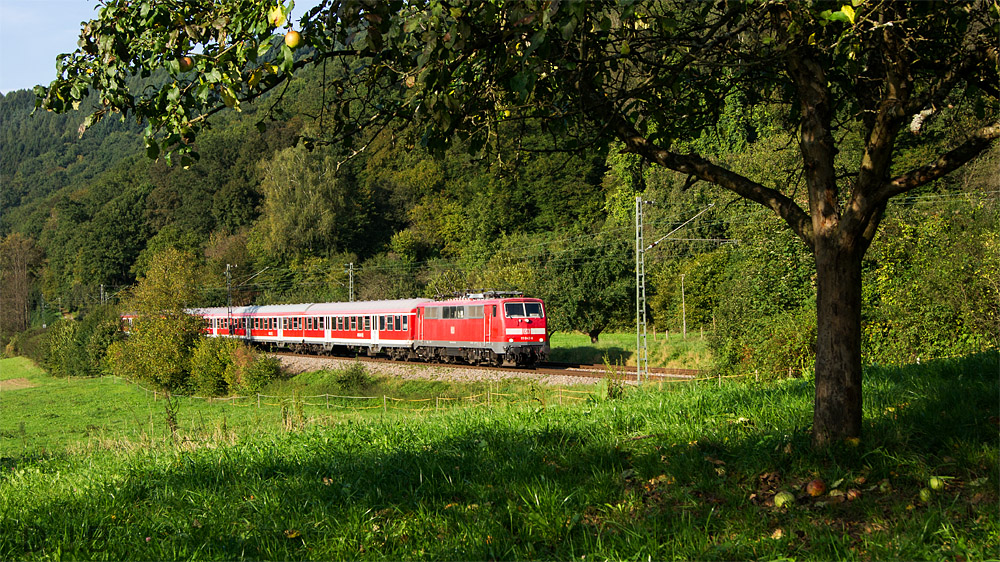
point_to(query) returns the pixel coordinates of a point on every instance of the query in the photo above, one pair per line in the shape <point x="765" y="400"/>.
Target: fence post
<point x="437" y="403"/>
<point x="385" y="408"/>
<point x="327" y="401"/>
<point x="258" y="400"/>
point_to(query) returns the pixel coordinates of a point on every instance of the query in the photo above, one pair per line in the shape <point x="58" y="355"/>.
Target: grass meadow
<point x="665" y="350"/>
<point x="88" y="470"/>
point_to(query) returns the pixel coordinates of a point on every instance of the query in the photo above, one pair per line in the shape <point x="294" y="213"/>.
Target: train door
<point x="487" y="324"/>
<point x="494" y="313"/>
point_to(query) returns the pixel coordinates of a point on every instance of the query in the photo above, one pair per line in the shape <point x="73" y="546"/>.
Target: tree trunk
<point x="594" y="334"/>
<point x="837" y="413"/>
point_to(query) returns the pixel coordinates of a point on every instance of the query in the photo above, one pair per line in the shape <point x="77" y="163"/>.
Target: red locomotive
<point x="488" y="328"/>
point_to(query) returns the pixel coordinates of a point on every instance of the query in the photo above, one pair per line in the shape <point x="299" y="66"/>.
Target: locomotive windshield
<point x="523" y="309"/>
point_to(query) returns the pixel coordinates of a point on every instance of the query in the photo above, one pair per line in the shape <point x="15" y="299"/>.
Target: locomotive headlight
<point x="511" y="340"/>
<point x="541" y="338"/>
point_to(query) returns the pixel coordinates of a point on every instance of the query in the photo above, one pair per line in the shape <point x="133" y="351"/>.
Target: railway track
<point x="656" y="374"/>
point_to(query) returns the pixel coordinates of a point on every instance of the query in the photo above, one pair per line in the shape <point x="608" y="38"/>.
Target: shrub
<point x="32" y="343"/>
<point x="79" y="347"/>
<point x="157" y="351"/>
<point x="209" y="360"/>
<point x="356" y="378"/>
<point x="64" y="356"/>
<point x="248" y="370"/>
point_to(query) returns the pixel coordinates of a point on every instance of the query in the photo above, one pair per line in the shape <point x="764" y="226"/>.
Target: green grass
<point x="686" y="471"/>
<point x="619" y="348"/>
<point x="54" y="415"/>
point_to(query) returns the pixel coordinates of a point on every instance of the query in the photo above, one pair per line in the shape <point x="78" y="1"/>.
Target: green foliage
<point x="356" y="378"/>
<point x="79" y="347"/>
<point x="169" y="286"/>
<point x="64" y="356"/>
<point x="209" y="361"/>
<point x="32" y="343"/>
<point x="247" y="370"/>
<point x="310" y="206"/>
<point x="931" y="285"/>
<point x="157" y="351"/>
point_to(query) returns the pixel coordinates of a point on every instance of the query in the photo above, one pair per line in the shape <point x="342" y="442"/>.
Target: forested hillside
<point x="84" y="215"/>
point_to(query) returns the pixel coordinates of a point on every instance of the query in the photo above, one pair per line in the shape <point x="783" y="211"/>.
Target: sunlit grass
<point x="687" y="472"/>
<point x="676" y="351"/>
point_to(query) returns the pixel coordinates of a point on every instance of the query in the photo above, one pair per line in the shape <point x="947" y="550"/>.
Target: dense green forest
<point x="83" y="216"/>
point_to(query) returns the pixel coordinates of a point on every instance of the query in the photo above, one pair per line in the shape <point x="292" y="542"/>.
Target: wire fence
<point x="342" y="402"/>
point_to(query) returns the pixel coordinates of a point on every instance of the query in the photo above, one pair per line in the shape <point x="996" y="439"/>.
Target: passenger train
<point x="488" y="328"/>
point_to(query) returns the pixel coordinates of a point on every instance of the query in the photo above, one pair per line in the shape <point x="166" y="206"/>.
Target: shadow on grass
<point x="591" y="355"/>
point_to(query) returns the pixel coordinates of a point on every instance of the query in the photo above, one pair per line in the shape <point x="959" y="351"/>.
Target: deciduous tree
<point x="19" y="260"/>
<point x="651" y="75"/>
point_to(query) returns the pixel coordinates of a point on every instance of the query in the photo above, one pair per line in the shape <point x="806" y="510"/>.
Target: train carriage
<point x="484" y="328"/>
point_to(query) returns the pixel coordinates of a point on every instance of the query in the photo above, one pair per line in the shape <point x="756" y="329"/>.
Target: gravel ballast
<point x="300" y="364"/>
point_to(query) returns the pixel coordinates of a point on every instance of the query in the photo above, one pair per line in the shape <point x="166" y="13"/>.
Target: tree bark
<point x="594" y="334"/>
<point x="838" y="402"/>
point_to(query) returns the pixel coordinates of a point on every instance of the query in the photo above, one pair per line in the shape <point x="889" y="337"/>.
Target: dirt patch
<point x="296" y="365"/>
<point x="15" y="384"/>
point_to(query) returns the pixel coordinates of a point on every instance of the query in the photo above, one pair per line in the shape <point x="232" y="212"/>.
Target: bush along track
<point x="692" y="472"/>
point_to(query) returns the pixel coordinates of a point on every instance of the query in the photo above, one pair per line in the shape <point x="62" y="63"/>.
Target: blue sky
<point x="32" y="33"/>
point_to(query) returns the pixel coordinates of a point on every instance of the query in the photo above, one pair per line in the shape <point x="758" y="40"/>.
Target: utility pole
<point x="229" y="297"/>
<point x="102" y="293"/>
<point x="684" y="316"/>
<point x="350" y="274"/>
<point x="641" y="350"/>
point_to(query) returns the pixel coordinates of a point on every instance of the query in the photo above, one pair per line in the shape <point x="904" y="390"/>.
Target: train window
<point x="354" y="323"/>
<point x="405" y="322"/>
<point x="494" y="311"/>
<point x="432" y="312"/>
<point x="533" y="310"/>
<point x="475" y="312"/>
<point x="381" y="323"/>
<point x="309" y="323"/>
<point x="513" y="309"/>
<point x="368" y="322"/>
<point x="397" y="325"/>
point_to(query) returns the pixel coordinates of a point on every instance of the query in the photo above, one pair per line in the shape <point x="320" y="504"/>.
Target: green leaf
<point x="849" y="12"/>
<point x="264" y="47"/>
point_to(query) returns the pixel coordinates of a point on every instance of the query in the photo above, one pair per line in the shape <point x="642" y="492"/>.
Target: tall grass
<point x="682" y="471"/>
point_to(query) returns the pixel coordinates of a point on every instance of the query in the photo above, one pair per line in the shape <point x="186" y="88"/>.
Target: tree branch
<point x="945" y="164"/>
<point x="694" y="165"/>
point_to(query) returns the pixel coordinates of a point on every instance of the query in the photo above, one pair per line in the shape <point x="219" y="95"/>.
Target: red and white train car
<point x="487" y="328"/>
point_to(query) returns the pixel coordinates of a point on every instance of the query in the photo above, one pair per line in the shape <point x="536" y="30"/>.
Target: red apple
<point x="816" y="488"/>
<point x="187" y="63"/>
